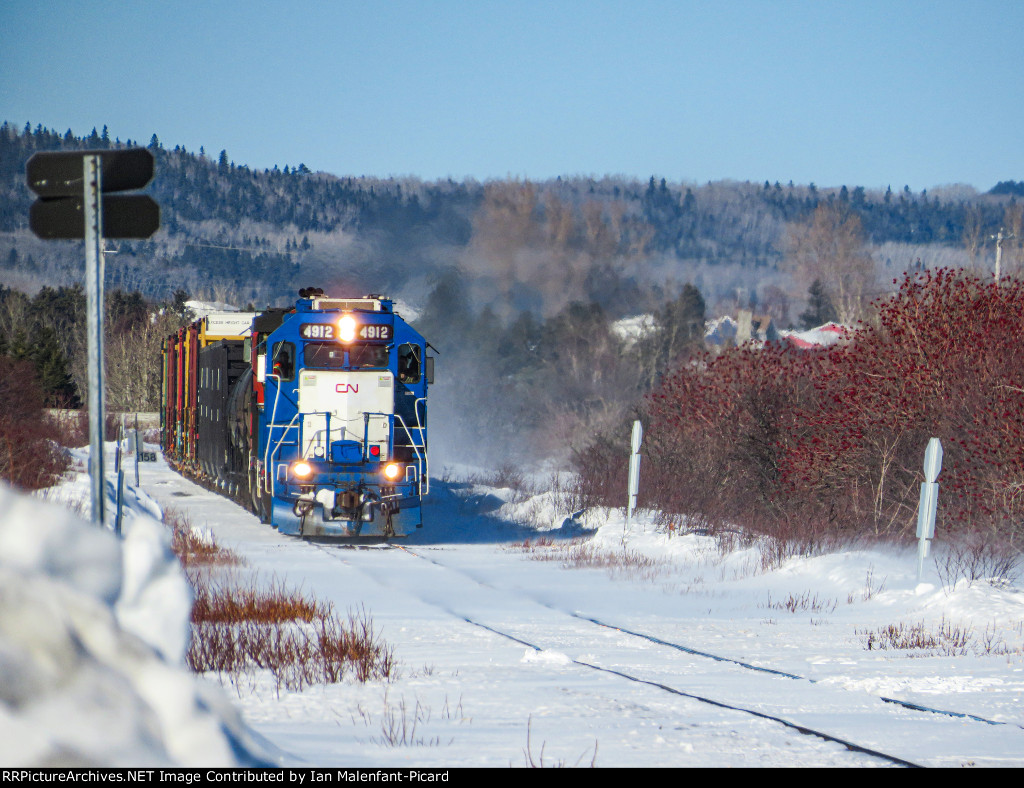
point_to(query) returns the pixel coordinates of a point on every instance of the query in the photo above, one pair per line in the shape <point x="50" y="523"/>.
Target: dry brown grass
<point x="800" y="603"/>
<point x="946" y="639"/>
<point x="194" y="549"/>
<point x="241" y="625"/>
<point x="225" y="602"/>
<point x="536" y="761"/>
<point x="295" y="652"/>
<point x="577" y="554"/>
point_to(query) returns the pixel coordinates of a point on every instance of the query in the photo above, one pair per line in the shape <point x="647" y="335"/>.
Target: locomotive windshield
<point x="367" y="356"/>
<point x="330" y="355"/>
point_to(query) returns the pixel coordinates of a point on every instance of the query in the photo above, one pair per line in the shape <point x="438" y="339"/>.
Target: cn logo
<point x="347" y="388"/>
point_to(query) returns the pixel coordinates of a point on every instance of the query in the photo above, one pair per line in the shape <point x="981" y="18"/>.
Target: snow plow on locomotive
<point x="315" y="416"/>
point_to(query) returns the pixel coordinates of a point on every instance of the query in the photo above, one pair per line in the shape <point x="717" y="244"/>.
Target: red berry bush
<point x="30" y="457"/>
<point x="804" y="444"/>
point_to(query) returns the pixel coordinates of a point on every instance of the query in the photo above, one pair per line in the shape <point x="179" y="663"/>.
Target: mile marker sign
<point x="928" y="505"/>
<point x="932" y="460"/>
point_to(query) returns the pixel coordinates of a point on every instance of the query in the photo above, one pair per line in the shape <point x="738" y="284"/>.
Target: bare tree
<point x="973" y="237"/>
<point x="505" y="225"/>
<point x="15" y="313"/>
<point x="132" y="368"/>
<point x="775" y="303"/>
<point x="829" y="246"/>
<point x="1013" y="240"/>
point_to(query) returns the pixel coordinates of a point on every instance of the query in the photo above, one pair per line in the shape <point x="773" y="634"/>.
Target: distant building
<point x="822" y="336"/>
<point x="748" y="327"/>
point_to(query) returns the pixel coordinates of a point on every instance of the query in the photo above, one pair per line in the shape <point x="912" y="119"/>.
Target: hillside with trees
<point x="518" y="284"/>
<point x="232" y="233"/>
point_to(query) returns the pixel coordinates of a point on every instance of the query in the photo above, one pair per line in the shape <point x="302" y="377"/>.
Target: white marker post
<point x="929" y="501"/>
<point x="634" y="471"/>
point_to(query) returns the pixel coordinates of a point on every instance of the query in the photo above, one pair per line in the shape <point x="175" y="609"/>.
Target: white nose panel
<point x="347" y="397"/>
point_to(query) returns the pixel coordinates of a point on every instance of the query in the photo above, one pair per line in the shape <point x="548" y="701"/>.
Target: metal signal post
<point x="71" y="205"/>
<point x="94" y="269"/>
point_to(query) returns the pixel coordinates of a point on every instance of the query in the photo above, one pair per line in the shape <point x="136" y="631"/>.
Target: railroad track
<point x="890" y="732"/>
<point x="739" y="663"/>
<point x="636" y="672"/>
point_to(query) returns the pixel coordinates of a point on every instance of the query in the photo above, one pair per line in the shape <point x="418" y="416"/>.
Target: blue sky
<point x="857" y="93"/>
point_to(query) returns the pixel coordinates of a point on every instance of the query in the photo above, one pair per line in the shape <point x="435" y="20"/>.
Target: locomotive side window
<point x="409" y="363"/>
<point x="284" y="360"/>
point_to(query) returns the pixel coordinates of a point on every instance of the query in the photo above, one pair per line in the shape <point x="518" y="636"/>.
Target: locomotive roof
<point x="367" y="303"/>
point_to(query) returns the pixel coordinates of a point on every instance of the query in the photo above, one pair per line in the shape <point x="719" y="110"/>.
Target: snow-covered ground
<point x="92" y="643"/>
<point x="522" y="639"/>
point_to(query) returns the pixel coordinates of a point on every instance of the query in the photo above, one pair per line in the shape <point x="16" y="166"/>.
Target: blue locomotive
<point x="314" y="416"/>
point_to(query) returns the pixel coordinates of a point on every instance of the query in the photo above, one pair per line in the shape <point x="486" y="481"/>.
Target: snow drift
<point x="93" y="633"/>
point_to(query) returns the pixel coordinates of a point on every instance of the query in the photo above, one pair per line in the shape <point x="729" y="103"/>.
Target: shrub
<point x="30" y="457"/>
<point x="803" y="444"/>
<point x="300" y="642"/>
<point x="238" y="628"/>
<point x="195" y="550"/>
<point x="976" y="557"/>
<point x="718" y="430"/>
<point x="943" y="639"/>
<point x="944" y="361"/>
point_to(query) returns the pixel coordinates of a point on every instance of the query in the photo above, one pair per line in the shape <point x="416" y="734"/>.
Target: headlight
<point x="392" y="471"/>
<point x="347" y="328"/>
<point x="301" y="469"/>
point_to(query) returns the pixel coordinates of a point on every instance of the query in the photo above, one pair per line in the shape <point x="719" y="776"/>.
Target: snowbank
<point x="93" y="634"/>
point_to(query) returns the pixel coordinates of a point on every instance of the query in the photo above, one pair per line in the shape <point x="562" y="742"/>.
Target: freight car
<point x="313" y="416"/>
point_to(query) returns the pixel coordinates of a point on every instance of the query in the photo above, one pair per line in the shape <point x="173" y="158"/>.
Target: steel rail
<point x="803" y="729"/>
